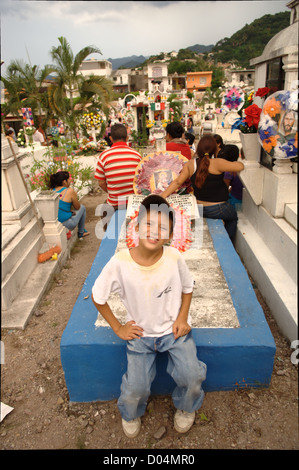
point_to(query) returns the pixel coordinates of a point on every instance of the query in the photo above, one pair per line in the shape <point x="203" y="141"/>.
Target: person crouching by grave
<point x="175" y="141"/>
<point x="156" y="287"/>
<point x="9" y="135"/>
<point x="68" y="200"/>
<point x="207" y="178"/>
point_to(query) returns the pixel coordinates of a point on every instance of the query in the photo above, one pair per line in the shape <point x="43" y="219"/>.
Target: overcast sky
<point x="29" y="29"/>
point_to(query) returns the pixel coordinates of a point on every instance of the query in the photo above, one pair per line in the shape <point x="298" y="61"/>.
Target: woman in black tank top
<point x="210" y="190"/>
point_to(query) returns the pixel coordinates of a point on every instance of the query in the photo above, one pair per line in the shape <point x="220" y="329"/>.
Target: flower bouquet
<point x="29" y="130"/>
<point x="21" y="141"/>
<point x="249" y="123"/>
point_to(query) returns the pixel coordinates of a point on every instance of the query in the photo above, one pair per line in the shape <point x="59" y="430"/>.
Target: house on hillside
<point x="198" y="81"/>
<point x="121" y="79"/>
<point x="93" y="66"/>
<point x="158" y="72"/>
<point x="242" y="75"/>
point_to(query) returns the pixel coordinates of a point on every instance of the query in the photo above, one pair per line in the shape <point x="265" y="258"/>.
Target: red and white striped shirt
<point x="116" y="166"/>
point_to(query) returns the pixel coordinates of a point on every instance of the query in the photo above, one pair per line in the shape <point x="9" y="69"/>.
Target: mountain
<point x="200" y="49"/>
<point x="250" y="41"/>
<point x="127" y="62"/>
<point x="245" y="44"/>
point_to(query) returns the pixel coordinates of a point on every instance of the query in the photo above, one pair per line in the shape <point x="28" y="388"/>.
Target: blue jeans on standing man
<point x="183" y="366"/>
<point x="77" y="219"/>
<point x="227" y="213"/>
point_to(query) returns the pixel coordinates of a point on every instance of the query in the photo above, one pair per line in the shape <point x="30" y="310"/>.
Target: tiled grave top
<point x="211" y="305"/>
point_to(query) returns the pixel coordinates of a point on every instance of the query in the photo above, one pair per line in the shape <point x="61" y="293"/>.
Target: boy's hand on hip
<point x="180" y="328"/>
<point x="129" y="331"/>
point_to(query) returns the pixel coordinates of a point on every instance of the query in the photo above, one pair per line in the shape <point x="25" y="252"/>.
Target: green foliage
<point x="139" y="139"/>
<point x="176" y="106"/>
<point x="250" y="41"/>
<point x="56" y="159"/>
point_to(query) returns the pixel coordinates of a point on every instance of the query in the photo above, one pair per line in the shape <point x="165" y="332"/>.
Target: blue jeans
<point x="77" y="219"/>
<point x="183" y="366"/>
<point x="227" y="213"/>
<point x="237" y="203"/>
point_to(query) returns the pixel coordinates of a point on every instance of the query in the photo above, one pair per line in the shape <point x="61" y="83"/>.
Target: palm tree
<point x="24" y="87"/>
<point x="70" y="83"/>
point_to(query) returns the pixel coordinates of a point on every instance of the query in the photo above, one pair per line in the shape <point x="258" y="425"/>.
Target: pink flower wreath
<point x="182" y="238"/>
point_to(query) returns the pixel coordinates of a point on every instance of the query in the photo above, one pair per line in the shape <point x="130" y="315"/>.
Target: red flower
<point x="253" y="115"/>
<point x="262" y="91"/>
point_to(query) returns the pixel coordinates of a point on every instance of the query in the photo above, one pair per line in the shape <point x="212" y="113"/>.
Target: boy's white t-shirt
<point x="152" y="295"/>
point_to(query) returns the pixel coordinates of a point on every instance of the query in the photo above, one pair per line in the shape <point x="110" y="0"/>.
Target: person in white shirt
<point x="155" y="286"/>
<point x="38" y="137"/>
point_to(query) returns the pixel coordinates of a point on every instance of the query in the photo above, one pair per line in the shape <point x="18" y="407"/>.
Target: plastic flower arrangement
<point x="182" y="235"/>
<point x="233" y="99"/>
<point x="249" y="123"/>
<point x="92" y="121"/>
<point x="39" y="177"/>
<point x="277" y="129"/>
<point x="21" y="141"/>
<point x="89" y="147"/>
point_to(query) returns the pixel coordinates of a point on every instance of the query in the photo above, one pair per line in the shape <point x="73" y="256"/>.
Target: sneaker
<point x="131" y="428"/>
<point x="183" y="420"/>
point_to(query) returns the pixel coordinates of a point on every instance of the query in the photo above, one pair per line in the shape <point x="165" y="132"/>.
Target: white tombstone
<point x="16" y="208"/>
<point x="47" y="204"/>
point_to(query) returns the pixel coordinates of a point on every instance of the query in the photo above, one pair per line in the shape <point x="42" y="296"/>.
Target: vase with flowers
<point x="29" y="131"/>
<point x="248" y="125"/>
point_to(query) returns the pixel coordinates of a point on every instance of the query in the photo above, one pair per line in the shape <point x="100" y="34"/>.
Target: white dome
<point x="284" y="42"/>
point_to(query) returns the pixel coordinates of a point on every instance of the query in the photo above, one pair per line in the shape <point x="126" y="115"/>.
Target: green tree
<point x="25" y="88"/>
<point x="176" y="107"/>
<point x="69" y="81"/>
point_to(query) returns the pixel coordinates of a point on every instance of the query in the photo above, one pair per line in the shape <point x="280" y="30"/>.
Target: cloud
<point x="121" y="29"/>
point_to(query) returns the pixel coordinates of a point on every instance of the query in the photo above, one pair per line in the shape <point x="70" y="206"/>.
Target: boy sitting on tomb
<point x="156" y="287"/>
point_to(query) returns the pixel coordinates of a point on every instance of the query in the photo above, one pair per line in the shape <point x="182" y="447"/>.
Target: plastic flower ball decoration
<point x="233" y="99"/>
<point x="278" y="125"/>
<point x="92" y="121"/>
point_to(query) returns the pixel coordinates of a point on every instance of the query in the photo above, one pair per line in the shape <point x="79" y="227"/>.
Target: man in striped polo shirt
<point x="115" y="168"/>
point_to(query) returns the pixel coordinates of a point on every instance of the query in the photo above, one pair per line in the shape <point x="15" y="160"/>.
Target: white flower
<point x="266" y="121"/>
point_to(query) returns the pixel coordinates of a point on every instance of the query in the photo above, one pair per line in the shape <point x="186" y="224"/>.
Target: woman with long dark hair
<point x="68" y="199"/>
<point x="207" y="178"/>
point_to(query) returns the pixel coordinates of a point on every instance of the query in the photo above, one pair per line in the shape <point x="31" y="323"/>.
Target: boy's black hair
<point x="158" y="203"/>
<point x="175" y="129"/>
<point x="189" y="137"/>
